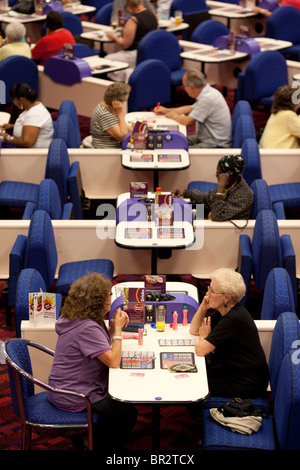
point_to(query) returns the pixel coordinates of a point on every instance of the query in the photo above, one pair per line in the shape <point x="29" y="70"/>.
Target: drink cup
<point x="160" y="318"/>
<point x="178" y="17"/>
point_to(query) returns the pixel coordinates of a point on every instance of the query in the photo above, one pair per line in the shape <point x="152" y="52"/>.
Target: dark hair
<point x="54" y="21"/>
<point x="23" y="90"/>
<point x="283" y="99"/>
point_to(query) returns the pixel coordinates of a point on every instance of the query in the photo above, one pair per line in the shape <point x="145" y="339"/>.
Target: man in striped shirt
<point x="210" y="113"/>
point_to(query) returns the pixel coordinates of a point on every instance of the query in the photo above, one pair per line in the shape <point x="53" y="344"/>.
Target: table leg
<point x="155" y="179"/>
<point x="154" y="260"/>
<point x="155" y="427"/>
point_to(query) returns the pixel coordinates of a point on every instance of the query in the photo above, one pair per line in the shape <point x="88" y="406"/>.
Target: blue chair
<point x="287" y="402"/>
<point x="103" y="15"/>
<point x="244" y="129"/>
<point x="162" y="45"/>
<point x="286" y="193"/>
<point x="265" y="72"/>
<point x="150" y="83"/>
<point x="49" y="200"/>
<point x="29" y="280"/>
<point x="207" y="31"/>
<point x="34" y="409"/>
<point x="96" y="4"/>
<point x="263" y="201"/>
<point x="286" y="332"/>
<point x="58" y="168"/>
<point x="284" y="24"/>
<point x="38" y="250"/>
<point x="65" y="129"/>
<point x="278" y="295"/>
<point x="266" y="250"/>
<point x="190" y="7"/>
<point x="82" y="50"/>
<point x="72" y="23"/>
<point x="68" y="107"/>
<point x="16" y="69"/>
<point x="241" y="107"/>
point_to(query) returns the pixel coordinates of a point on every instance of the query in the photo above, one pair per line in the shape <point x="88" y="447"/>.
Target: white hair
<point x="15" y="31"/>
<point x="230" y="282"/>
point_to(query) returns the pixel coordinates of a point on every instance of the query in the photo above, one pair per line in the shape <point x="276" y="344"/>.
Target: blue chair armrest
<point x="29" y="210"/>
<point x="16" y="264"/>
<point x="289" y="261"/>
<point x="67" y="211"/>
<point x="245" y="262"/>
<point x="278" y="208"/>
<point x="75" y="189"/>
<point x="58" y="304"/>
<point x="240" y="86"/>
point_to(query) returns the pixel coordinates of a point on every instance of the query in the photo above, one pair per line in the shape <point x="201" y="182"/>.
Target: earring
<point x="21" y="106"/>
<point x="225" y="305"/>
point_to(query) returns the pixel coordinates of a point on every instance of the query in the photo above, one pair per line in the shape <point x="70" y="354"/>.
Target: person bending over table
<point x="85" y="351"/>
<point x="210" y="113"/>
<point x="282" y="129"/>
<point x="34" y="126"/>
<point x="140" y="23"/>
<point x="233" y="199"/>
<point x="14" y="42"/>
<point x="108" y="125"/>
<point x="53" y="42"/>
<point x="228" y="337"/>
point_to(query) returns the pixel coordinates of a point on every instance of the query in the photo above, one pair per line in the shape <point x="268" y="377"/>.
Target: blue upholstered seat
<point x="207" y="31"/>
<point x="66" y="130"/>
<point x="35" y="409"/>
<point x="278" y="295"/>
<point x="243" y="129"/>
<point x="103" y="14"/>
<point x="263" y="201"/>
<point x="17" y="69"/>
<point x="283" y="24"/>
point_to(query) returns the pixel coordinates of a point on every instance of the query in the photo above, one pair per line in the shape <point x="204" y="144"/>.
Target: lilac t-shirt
<point x="76" y="366"/>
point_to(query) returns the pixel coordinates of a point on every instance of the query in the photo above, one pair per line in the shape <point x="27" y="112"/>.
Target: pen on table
<point x="157" y="106"/>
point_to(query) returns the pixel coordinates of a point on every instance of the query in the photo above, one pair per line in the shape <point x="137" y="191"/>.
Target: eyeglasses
<point x="210" y="291"/>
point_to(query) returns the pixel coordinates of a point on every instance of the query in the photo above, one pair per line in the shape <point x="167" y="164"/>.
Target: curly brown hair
<point x="87" y="297"/>
<point x="283" y="99"/>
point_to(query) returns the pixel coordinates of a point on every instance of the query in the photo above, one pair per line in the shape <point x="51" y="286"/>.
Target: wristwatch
<point x="117" y="337"/>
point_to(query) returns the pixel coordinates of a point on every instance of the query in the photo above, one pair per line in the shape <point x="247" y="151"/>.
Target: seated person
<point x="228" y="338"/>
<point x="283" y="126"/>
<point x="53" y="42"/>
<point x="281" y="3"/>
<point x="120" y="5"/>
<point x="15" y="41"/>
<point x="140" y="23"/>
<point x="34" y="127"/>
<point x="233" y="199"/>
<point x="210" y="113"/>
<point x="108" y="125"/>
<point x="86" y="348"/>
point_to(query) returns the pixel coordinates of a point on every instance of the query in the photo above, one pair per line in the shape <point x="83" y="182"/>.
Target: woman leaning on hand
<point x="85" y="351"/>
<point x="228" y="337"/>
<point x="34" y="127"/>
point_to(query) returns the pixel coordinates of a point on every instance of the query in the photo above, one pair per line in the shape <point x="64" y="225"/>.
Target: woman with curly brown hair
<point x="85" y="350"/>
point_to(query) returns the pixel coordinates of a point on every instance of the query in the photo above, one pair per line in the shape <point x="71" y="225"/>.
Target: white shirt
<point x="37" y="116"/>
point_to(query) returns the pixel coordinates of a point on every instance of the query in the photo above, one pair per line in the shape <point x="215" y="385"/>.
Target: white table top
<point x="155" y="121"/>
<point x="180" y="159"/>
<point x="11" y="15"/>
<point x="233" y="11"/>
<point x="149" y="386"/>
<point x="99" y="65"/>
<point x="212" y="54"/>
<point x="270" y="44"/>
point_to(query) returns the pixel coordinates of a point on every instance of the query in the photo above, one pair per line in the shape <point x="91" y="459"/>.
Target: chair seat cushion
<point x="70" y="272"/>
<point x="17" y="193"/>
<point x="287" y="193"/>
<point x="41" y="411"/>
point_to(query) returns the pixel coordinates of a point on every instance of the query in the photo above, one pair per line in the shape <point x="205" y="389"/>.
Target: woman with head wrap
<point x="233" y="199"/>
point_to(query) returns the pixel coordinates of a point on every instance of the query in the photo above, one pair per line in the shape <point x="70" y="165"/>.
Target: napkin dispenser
<point x="169" y="139"/>
<point x="248" y="45"/>
<point x="66" y="70"/>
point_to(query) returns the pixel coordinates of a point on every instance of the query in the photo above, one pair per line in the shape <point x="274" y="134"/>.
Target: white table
<point x="155" y="121"/>
<point x="232" y="12"/>
<point x="102" y="66"/>
<point x="270" y="44"/>
<point x="158" y="386"/>
<point x="171" y="287"/>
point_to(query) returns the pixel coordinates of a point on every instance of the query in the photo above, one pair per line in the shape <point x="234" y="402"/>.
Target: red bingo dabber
<point x="184" y="316"/>
<point x="175" y="324"/>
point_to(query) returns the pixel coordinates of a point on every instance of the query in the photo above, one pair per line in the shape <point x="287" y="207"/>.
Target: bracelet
<point x="202" y="337"/>
<point x="117" y="337"/>
<point x="219" y="194"/>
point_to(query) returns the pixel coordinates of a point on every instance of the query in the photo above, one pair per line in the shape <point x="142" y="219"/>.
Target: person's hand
<point x="178" y="193"/>
<point x="7" y="126"/>
<point x="256" y="9"/>
<point x="111" y="35"/>
<point x="117" y="106"/>
<point x="119" y="319"/>
<point x="161" y="110"/>
<point x="205" y="327"/>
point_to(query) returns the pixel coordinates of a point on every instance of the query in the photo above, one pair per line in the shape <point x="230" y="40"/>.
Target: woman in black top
<point x="236" y="363"/>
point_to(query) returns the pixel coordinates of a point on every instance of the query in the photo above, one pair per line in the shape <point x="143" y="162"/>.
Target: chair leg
<point x="25" y="437"/>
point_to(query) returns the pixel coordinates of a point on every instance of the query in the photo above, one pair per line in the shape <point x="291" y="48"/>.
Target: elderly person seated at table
<point x="283" y="126"/>
<point x="233" y="199"/>
<point x="140" y="23"/>
<point x="15" y="41"/>
<point x="228" y="338"/>
<point x="121" y="5"/>
<point x="34" y="126"/>
<point x="86" y="348"/>
<point x="210" y="113"/>
<point x="108" y="125"/>
<point x="53" y="42"/>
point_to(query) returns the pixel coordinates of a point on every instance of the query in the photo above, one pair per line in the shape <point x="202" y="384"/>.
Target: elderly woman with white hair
<point x="228" y="338"/>
<point x="15" y="41"/>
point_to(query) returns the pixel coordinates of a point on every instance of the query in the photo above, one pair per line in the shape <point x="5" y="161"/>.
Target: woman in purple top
<point x="85" y="350"/>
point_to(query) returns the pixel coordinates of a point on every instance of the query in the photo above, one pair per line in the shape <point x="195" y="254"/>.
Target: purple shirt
<point x="75" y="366"/>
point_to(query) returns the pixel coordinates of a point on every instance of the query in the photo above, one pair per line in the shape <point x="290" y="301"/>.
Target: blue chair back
<point x="244" y="129"/>
<point x="82" y="50"/>
<point x="49" y="199"/>
<point x="16" y="69"/>
<point x="64" y="129"/>
<point x="58" y="166"/>
<point x="68" y="107"/>
<point x="41" y="253"/>
<point x="241" y="107"/>
<point x="72" y="23"/>
<point x="162" y="45"/>
<point x="251" y="154"/>
<point x="96" y="4"/>
<point x="287" y="402"/>
<point x="29" y="280"/>
<point x="190" y="6"/>
<point x="286" y="331"/>
<point x="261" y="197"/>
<point x="284" y="24"/>
<point x="266" y="247"/>
<point x="207" y="31"/>
<point x="278" y="295"/>
<point x="150" y="83"/>
<point x="103" y="14"/>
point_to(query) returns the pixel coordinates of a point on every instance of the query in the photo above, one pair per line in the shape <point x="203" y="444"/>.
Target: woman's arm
<point x="28" y="138"/>
<point x="112" y="357"/>
<point x="121" y="129"/>
<point x="129" y="32"/>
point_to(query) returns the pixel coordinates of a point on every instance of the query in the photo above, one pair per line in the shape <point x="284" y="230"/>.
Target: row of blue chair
<point x="278" y="431"/>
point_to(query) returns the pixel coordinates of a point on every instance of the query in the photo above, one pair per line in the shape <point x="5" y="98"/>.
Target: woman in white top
<point x="34" y="126"/>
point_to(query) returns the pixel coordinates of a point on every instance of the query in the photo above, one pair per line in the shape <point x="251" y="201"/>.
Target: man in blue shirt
<point x="210" y="113"/>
